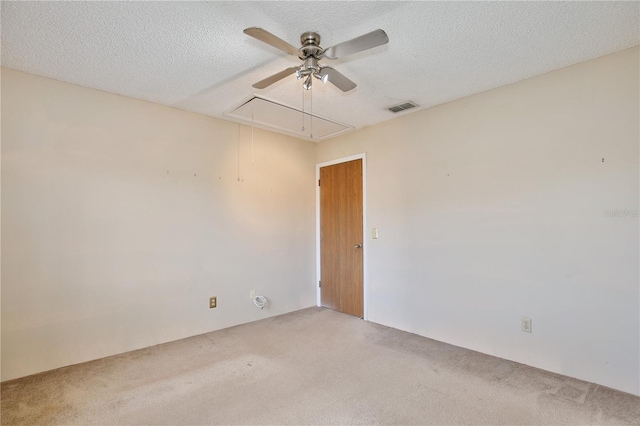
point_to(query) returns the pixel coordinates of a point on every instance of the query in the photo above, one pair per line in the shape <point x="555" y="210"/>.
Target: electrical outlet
<point x="526" y="324"/>
<point x="252" y="294"/>
<point x="213" y="302"/>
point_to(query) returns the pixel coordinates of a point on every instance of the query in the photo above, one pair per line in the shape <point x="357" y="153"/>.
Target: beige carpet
<point x="313" y="366"/>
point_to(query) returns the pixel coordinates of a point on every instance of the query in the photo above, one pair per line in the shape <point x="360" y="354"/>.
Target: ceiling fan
<point x="310" y="53"/>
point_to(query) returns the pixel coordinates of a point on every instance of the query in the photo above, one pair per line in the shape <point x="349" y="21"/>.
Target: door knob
<point x="358" y="246"/>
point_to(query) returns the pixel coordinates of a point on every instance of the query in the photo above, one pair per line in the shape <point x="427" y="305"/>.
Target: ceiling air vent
<point x="403" y="106"/>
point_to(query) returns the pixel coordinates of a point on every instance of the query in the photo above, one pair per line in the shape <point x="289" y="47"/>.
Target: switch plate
<point x="252" y="294"/>
<point x="213" y="302"/>
<point x="374" y="233"/>
<point x="526" y="324"/>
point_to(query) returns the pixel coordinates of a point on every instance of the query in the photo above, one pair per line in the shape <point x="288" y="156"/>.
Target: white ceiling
<point x="194" y="55"/>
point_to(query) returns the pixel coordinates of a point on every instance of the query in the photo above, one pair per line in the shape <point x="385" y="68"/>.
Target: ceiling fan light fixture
<point x="301" y="73"/>
<point x="322" y="77"/>
<point x="307" y="83"/>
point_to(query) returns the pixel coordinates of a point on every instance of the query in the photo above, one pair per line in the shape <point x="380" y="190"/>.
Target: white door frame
<point x="365" y="288"/>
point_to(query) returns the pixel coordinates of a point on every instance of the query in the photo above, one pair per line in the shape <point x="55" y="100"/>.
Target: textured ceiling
<point x="194" y="55"/>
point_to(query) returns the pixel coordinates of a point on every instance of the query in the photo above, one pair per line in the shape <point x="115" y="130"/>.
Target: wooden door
<point x="341" y="239"/>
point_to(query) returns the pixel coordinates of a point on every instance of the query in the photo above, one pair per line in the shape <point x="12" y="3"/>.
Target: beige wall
<point x="493" y="207"/>
<point x="120" y="218"/>
<point x="489" y="208"/>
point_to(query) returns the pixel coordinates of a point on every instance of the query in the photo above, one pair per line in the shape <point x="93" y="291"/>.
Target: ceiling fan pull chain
<point x="238" y="152"/>
<point x="311" y="111"/>
<point x="252" y="134"/>
<point x="303" y="109"/>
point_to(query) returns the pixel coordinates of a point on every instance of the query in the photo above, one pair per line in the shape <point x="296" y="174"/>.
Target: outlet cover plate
<point x="526" y="324"/>
<point x="213" y="302"/>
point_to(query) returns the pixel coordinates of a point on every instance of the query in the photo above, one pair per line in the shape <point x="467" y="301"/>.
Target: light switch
<point x="374" y="233"/>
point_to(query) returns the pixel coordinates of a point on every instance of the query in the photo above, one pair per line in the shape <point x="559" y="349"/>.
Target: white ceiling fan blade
<point x="276" y="77"/>
<point x="266" y="37"/>
<point x="338" y="79"/>
<point x="358" y="44"/>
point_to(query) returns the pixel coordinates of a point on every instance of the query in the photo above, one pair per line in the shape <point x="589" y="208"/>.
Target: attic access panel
<point x="281" y="118"/>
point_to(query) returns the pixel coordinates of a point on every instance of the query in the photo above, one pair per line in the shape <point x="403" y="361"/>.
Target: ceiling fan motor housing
<point x="310" y="42"/>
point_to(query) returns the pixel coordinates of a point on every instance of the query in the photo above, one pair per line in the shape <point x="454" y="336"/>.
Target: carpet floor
<point x="313" y="366"/>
